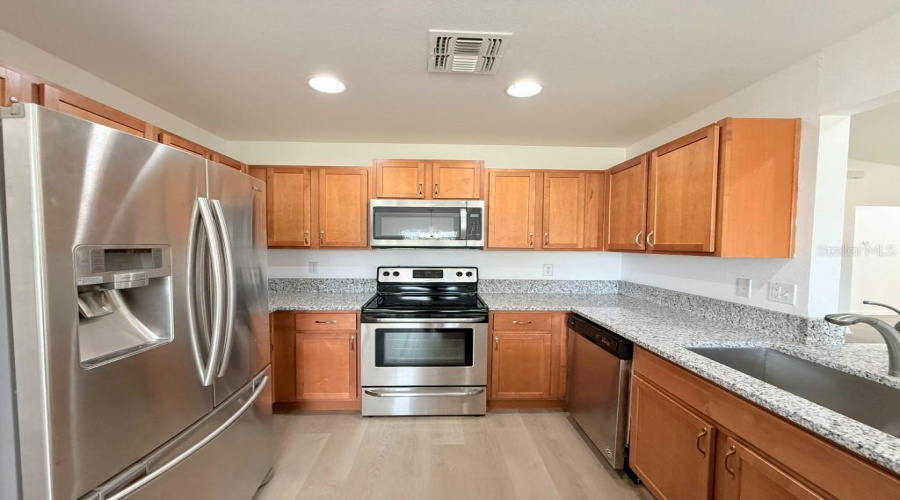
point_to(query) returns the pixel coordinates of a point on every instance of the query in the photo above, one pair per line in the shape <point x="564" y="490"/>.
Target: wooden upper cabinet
<point x="77" y="105"/>
<point x="456" y="179"/>
<point x="326" y="366"/>
<point x="183" y="144"/>
<point x="521" y="366"/>
<point x="683" y="194"/>
<point x="672" y="448"/>
<point x="563" y="210"/>
<point x="626" y="205"/>
<point x="227" y="161"/>
<point x="289" y="207"/>
<point x="512" y="203"/>
<point x="400" y="178"/>
<point x="742" y="474"/>
<point x="9" y="80"/>
<point x="344" y="194"/>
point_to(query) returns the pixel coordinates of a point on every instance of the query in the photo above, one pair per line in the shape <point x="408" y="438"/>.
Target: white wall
<point x="880" y="186"/>
<point x="26" y="57"/>
<point x="875" y="269"/>
<point x="839" y="80"/>
<point x="493" y="264"/>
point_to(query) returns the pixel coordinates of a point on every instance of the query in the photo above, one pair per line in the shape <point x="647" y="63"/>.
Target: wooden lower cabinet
<point x="528" y="359"/>
<point x="693" y="439"/>
<point x="742" y="474"/>
<point x="315" y="360"/>
<point x="672" y="448"/>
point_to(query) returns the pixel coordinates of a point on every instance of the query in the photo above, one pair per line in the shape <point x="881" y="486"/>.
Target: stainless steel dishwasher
<point x="598" y="386"/>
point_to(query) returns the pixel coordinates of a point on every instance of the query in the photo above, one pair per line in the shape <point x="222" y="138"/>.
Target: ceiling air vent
<point x="466" y="51"/>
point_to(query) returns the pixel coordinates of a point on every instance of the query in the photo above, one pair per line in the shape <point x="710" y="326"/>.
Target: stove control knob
<point x="458" y="273"/>
<point x="386" y="273"/>
<point x="469" y="274"/>
<point x="396" y="273"/>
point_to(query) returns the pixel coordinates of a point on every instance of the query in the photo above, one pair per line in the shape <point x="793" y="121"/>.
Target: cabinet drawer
<point x="325" y="321"/>
<point x="537" y="322"/>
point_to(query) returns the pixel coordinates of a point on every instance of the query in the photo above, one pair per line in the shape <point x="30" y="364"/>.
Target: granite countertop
<point x="668" y="333"/>
<point x="317" y="301"/>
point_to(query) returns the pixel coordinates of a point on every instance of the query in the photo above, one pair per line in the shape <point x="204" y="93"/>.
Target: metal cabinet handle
<point x="531" y="239"/>
<point x="517" y="322"/>
<point x="322" y="237"/>
<point x="700" y="437"/>
<point x="436" y="189"/>
<point x="650" y="238"/>
<point x="353" y="342"/>
<point x="731" y="451"/>
<point x="546" y="238"/>
<point x="496" y="342"/>
<point x="421" y="189"/>
<point x="637" y="238"/>
<point x="326" y="322"/>
<point x="306" y="237"/>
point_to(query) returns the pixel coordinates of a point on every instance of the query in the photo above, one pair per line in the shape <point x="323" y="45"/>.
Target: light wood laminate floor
<point x="504" y="455"/>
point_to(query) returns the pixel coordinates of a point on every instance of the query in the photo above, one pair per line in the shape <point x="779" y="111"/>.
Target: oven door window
<point x="420" y="347"/>
<point x="417" y="223"/>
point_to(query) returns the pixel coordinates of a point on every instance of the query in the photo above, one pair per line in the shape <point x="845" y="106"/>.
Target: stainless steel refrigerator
<point x="135" y="314"/>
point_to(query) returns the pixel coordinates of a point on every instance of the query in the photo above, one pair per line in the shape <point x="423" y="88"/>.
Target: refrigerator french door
<point x="117" y="348"/>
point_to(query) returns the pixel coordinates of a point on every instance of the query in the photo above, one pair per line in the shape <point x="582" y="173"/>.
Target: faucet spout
<point x="890" y="333"/>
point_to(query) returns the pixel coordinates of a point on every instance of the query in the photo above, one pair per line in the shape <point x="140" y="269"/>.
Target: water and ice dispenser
<point x="124" y="300"/>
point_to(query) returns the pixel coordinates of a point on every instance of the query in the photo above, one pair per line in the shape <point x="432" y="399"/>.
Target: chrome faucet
<point x="891" y="333"/>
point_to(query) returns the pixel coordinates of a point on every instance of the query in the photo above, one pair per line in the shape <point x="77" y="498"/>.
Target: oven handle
<point x="388" y="393"/>
<point x="480" y="319"/>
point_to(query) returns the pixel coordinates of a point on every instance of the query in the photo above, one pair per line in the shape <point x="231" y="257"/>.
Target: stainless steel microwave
<point x="426" y="223"/>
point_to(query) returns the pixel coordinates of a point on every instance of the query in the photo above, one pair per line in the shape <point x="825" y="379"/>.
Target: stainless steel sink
<point x="863" y="400"/>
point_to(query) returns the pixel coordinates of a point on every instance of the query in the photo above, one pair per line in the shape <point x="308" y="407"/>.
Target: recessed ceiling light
<point x="525" y="88"/>
<point x="327" y="84"/>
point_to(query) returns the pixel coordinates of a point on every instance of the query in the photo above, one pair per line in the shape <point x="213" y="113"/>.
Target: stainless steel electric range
<point x="424" y="343"/>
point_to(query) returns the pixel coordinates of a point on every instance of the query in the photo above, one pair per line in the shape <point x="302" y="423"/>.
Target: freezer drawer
<point x="231" y="464"/>
<point x="402" y="401"/>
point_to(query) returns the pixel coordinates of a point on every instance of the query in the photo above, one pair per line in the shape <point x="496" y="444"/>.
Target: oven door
<point x="418" y="223"/>
<point x="424" y="354"/>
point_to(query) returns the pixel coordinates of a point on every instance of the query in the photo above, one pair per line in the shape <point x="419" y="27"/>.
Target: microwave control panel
<point x="474" y="224"/>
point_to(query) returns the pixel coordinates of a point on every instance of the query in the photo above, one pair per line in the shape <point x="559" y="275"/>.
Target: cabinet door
<point x="289" y="207"/>
<point x="456" y="180"/>
<point x="183" y="144"/>
<point x="343" y="207"/>
<point x="563" y="210"/>
<point x="682" y="201"/>
<point x="284" y="357"/>
<point x="742" y="474"/>
<point x="520" y="366"/>
<point x="672" y="449"/>
<point x="626" y="205"/>
<point x="512" y="199"/>
<point x="227" y="161"/>
<point x="326" y="366"/>
<point x="88" y="109"/>
<point x="400" y="179"/>
<point x="7" y="84"/>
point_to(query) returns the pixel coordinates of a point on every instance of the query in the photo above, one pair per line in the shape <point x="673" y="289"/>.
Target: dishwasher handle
<point x="610" y="342"/>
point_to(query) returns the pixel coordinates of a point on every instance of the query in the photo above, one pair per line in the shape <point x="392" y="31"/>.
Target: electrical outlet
<point x="784" y="293"/>
<point x="744" y="287"/>
<point x="548" y="269"/>
<point x="313" y="268"/>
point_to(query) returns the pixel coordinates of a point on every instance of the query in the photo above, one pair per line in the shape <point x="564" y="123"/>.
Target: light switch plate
<point x="744" y="287"/>
<point x="313" y="268"/>
<point x="548" y="269"/>
<point x="784" y="293"/>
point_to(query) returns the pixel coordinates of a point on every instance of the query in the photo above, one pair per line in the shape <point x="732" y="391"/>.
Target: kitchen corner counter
<point x="540" y="301"/>
<point x="317" y="301"/>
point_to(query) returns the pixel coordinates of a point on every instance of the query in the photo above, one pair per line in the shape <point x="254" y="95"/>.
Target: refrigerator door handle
<point x="219" y="293"/>
<point x="193" y="325"/>
<point x="229" y="283"/>
<point x="143" y="481"/>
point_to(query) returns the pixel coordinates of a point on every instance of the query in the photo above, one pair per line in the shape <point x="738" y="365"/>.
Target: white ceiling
<point x="875" y="135"/>
<point x="614" y="71"/>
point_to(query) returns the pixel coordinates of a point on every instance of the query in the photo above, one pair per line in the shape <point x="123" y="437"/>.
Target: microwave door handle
<point x="463" y="223"/>
<point x="219" y="293"/>
<point x="230" y="287"/>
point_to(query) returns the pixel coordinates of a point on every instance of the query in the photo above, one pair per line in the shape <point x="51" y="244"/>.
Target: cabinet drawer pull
<point x="436" y="189"/>
<point x="496" y="342"/>
<point x="421" y="189"/>
<point x="546" y="239"/>
<point x="517" y="322"/>
<point x="731" y="451"/>
<point x="353" y="342"/>
<point x="531" y="239"/>
<point x="330" y="321"/>
<point x="650" y="238"/>
<point x="700" y="437"/>
<point x="637" y="238"/>
<point x="322" y="237"/>
<point x="306" y="237"/>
